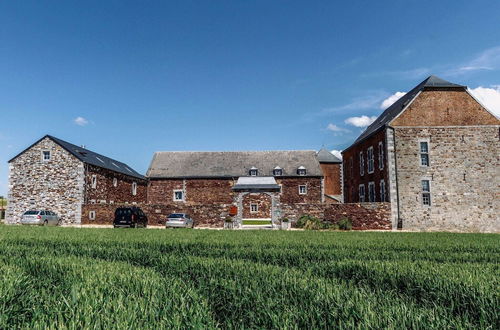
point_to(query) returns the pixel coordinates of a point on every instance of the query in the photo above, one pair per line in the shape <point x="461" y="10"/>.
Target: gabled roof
<point x="397" y="107"/>
<point x="230" y="164"/>
<point x="255" y="182"/>
<point x="325" y="156"/>
<point x="89" y="157"/>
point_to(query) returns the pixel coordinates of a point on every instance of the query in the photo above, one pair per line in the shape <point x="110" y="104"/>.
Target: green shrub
<point x="345" y="223"/>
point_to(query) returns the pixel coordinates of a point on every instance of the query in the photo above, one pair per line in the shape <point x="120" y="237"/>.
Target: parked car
<point x="179" y="220"/>
<point x="40" y="217"/>
<point x="130" y="217"/>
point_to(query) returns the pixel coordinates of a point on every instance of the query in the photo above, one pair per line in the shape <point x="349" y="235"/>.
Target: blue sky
<point x="130" y="78"/>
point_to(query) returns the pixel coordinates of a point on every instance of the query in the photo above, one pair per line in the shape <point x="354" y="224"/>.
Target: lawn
<point x="256" y="222"/>
<point x="139" y="278"/>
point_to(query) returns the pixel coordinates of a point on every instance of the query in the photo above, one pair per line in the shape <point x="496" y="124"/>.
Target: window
<point x="45" y="155"/>
<point x="424" y="153"/>
<point x="301" y="170"/>
<point x="361" y="193"/>
<point x="361" y="164"/>
<point x="92" y="215"/>
<point x="254" y="208"/>
<point x="115" y="182"/>
<point x="371" y="191"/>
<point x="277" y="171"/>
<point x="94" y="181"/>
<point x="426" y="192"/>
<point x="302" y="190"/>
<point x="371" y="161"/>
<point x="134" y="188"/>
<point x="382" y="191"/>
<point x="178" y="196"/>
<point x="380" y="155"/>
<point x="253" y="171"/>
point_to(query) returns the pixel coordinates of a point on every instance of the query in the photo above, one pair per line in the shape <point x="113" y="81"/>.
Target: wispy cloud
<point x="336" y="129"/>
<point x="489" y="97"/>
<point x="391" y="99"/>
<point x="337" y="153"/>
<point x="488" y="59"/>
<point x="410" y="74"/>
<point x="80" y="121"/>
<point x="361" y="121"/>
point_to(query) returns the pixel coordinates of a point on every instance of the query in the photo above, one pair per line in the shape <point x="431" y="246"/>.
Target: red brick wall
<point x="332" y="178"/>
<point x="290" y="190"/>
<point x="107" y="192"/>
<point x="264" y="203"/>
<point x="363" y="216"/>
<point x="352" y="177"/>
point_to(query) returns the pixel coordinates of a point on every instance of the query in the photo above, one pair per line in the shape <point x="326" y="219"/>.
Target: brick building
<point x="434" y="155"/>
<point x="69" y="180"/>
<point x="264" y="185"/>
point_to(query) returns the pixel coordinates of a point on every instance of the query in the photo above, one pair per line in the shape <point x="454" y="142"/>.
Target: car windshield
<point x="31" y="212"/>
<point x="120" y="212"/>
<point x="176" y="215"/>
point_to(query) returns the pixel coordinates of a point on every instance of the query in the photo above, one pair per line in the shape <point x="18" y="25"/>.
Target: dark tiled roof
<point x="395" y="109"/>
<point x="90" y="157"/>
<point x="230" y="164"/>
<point x="325" y="156"/>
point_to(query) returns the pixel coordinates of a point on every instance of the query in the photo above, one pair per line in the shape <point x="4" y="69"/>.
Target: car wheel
<point x="59" y="222"/>
<point x="45" y="223"/>
<point x="134" y="225"/>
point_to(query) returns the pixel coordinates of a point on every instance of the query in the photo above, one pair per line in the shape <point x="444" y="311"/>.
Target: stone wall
<point x="364" y="216"/>
<point x="464" y="175"/>
<point x="263" y="202"/>
<point x="56" y="185"/>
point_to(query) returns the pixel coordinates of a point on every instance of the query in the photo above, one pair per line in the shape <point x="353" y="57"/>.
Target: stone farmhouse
<point x="434" y="155"/>
<point x="68" y="179"/>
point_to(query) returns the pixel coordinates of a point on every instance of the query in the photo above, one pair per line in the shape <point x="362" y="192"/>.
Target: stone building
<point x="69" y="180"/>
<point x="264" y="185"/>
<point x="435" y="156"/>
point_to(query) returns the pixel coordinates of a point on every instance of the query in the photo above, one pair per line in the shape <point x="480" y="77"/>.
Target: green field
<point x="139" y="278"/>
<point x="256" y="222"/>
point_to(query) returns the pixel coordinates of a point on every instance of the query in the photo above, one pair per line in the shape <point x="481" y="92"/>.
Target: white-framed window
<point x="115" y="182"/>
<point x="178" y="195"/>
<point x="46" y="155"/>
<point x="92" y="201"/>
<point x="301" y="170"/>
<point x="361" y="163"/>
<point x="361" y="192"/>
<point x="254" y="207"/>
<point x="371" y="160"/>
<point x="424" y="153"/>
<point x="254" y="171"/>
<point x="91" y="215"/>
<point x="102" y="201"/>
<point x="426" y="192"/>
<point x="93" y="181"/>
<point x="134" y="188"/>
<point x="303" y="189"/>
<point x="371" y="191"/>
<point x="277" y="171"/>
<point x="383" y="193"/>
<point x="380" y="155"/>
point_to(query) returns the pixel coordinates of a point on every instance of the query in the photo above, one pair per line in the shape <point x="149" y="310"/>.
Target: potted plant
<point x="228" y="222"/>
<point x="285" y="224"/>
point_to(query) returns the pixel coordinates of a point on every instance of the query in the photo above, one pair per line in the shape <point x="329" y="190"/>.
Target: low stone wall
<point x="295" y="211"/>
<point x="363" y="215"/>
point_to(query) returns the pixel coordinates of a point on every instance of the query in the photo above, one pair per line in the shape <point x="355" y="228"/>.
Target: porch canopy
<point x="261" y="183"/>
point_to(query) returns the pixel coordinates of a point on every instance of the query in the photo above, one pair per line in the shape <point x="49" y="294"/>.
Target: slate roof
<point x="90" y="157"/>
<point x="325" y="156"/>
<point x="395" y="109"/>
<point x="230" y="164"/>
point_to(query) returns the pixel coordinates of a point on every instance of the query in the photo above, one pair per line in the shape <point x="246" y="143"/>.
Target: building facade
<point x="435" y="156"/>
<point x="67" y="179"/>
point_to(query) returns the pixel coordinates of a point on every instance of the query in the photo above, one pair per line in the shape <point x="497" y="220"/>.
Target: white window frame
<point x="381" y="155"/>
<point x="115" y="182"/>
<point x="91" y="215"/>
<point x="302" y="171"/>
<point x="383" y="191"/>
<point x="43" y="156"/>
<point x="370" y="160"/>
<point x="254" y="172"/>
<point x="371" y="185"/>
<point x="277" y="172"/>
<point x="305" y="189"/>
<point x="361" y="197"/>
<point x="252" y="205"/>
<point x="361" y="164"/>
<point x="93" y="181"/>
<point x="420" y="153"/>
<point x="424" y="192"/>
<point x="175" y="199"/>
<point x="134" y="188"/>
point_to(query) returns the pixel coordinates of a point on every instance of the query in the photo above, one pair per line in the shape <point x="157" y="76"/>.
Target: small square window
<point x="302" y="190"/>
<point x="92" y="215"/>
<point x="46" y="155"/>
<point x="254" y="208"/>
<point x="277" y="172"/>
<point x="178" y="196"/>
<point x="253" y="172"/>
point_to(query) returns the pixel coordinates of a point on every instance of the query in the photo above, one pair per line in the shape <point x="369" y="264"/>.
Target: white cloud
<point x="80" y="121"/>
<point x="489" y="97"/>
<point x="337" y="129"/>
<point x="391" y="99"/>
<point x="337" y="153"/>
<point x="362" y="121"/>
<point x="488" y="59"/>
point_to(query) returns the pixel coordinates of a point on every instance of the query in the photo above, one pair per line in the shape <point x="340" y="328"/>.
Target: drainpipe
<point x="400" y="223"/>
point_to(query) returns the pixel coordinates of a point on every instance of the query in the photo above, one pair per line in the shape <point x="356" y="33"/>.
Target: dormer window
<point x="254" y="171"/>
<point x="277" y="171"/>
<point x="301" y="170"/>
<point x="46" y="155"/>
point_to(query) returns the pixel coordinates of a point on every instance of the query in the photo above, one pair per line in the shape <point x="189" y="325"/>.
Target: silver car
<point x="179" y="220"/>
<point x="42" y="217"/>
